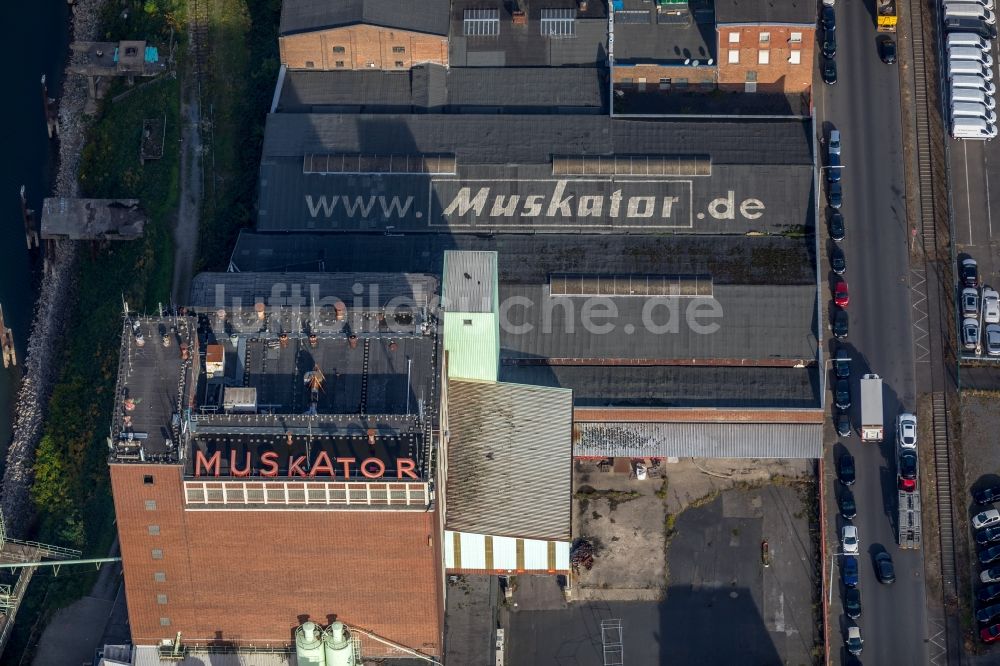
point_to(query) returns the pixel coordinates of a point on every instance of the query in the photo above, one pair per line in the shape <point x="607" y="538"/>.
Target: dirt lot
<point x="628" y="520"/>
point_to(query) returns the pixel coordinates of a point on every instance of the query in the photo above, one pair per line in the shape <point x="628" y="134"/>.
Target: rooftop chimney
<point x="520" y="18"/>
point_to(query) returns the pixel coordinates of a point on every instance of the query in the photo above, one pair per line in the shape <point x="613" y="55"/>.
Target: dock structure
<point x="91" y="219"/>
<point x="30" y="223"/>
<point x="128" y="58"/>
<point x="50" y="105"/>
<point x="7" y="343"/>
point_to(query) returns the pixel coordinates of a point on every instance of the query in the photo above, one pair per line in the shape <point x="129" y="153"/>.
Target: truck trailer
<point x="886" y="15"/>
<point x="872" y="415"/>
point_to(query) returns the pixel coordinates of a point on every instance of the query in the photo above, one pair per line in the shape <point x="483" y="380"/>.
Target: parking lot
<point x="676" y="561"/>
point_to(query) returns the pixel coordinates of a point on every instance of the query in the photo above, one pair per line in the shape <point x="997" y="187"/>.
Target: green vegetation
<point x="614" y="497"/>
<point x="242" y="70"/>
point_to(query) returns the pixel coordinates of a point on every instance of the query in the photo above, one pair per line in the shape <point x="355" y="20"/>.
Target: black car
<point x="842" y="363"/>
<point x="842" y="394"/>
<point x="887" y="50"/>
<point x="969" y="271"/>
<point x="989" y="535"/>
<point x="986" y="495"/>
<point x="828" y="18"/>
<point x="985" y="615"/>
<point x="843" y="423"/>
<point x="988" y="592"/>
<point x="838" y="262"/>
<point x="840" y="323"/>
<point x="833" y="168"/>
<point x="830" y="44"/>
<point x="845" y="469"/>
<point x="845" y="502"/>
<point x="835" y="195"/>
<point x="991" y="554"/>
<point x="908" y="470"/>
<point x="852" y="603"/>
<point x="837" y="226"/>
<point x="884" y="570"/>
<point x="829" y="72"/>
<point x="972" y="25"/>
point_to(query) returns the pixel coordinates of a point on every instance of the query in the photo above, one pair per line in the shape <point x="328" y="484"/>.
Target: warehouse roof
<point x="509" y="460"/>
<point x="798" y="12"/>
<point x="435" y="88"/>
<point x="643" y="34"/>
<point x="427" y="16"/>
<point x="699" y="440"/>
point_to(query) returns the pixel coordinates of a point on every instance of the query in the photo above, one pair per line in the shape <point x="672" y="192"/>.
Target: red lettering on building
<point x="379" y="465"/>
<point x="322" y="464"/>
<point x="270" y="459"/>
<point x="209" y="464"/>
<point x="295" y="466"/>
<point x="234" y="470"/>
<point x="405" y="468"/>
<point x="346" y="462"/>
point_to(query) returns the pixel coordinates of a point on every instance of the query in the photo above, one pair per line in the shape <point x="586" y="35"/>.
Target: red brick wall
<point x="365" y="47"/>
<point x="253" y="575"/>
<point x="634" y="74"/>
<point x="779" y="74"/>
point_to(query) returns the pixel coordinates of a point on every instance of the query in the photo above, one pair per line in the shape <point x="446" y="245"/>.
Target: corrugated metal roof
<point x="149" y="655"/>
<point x="470" y="281"/>
<point x="509" y="460"/>
<point x="699" y="440"/>
<point x="427" y="16"/>
<point x="472" y="340"/>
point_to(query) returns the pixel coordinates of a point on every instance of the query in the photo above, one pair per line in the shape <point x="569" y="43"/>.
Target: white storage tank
<point x="337" y="645"/>
<point x="309" y="645"/>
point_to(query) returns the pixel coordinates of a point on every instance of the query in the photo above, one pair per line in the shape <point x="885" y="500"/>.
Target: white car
<point x="991" y="306"/>
<point x="970" y="302"/>
<point x="970" y="334"/>
<point x="986" y="519"/>
<point x="854" y="640"/>
<point x="849" y="539"/>
<point x="906" y="431"/>
<point x="991" y="575"/>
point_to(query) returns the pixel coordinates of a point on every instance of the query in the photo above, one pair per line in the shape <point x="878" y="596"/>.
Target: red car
<point x="990" y="634"/>
<point x="840" y="295"/>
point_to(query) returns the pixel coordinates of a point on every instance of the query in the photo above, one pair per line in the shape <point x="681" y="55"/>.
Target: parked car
<point x="854" y="641"/>
<point x="990" y="634"/>
<point x="834" y="191"/>
<point x="833" y="168"/>
<point x="829" y="47"/>
<point x="987" y="518"/>
<point x="845" y="502"/>
<point x="908" y="470"/>
<point x="988" y="613"/>
<point x="991" y="575"/>
<point x="970" y="302"/>
<point x="852" y="603"/>
<point x="989" y="555"/>
<point x="986" y="495"/>
<point x="988" y="592"/>
<point x="849" y="540"/>
<point x="842" y="394"/>
<point x="836" y="225"/>
<point x="843" y="423"/>
<point x="845" y="469"/>
<point x="840" y="324"/>
<point x="991" y="306"/>
<point x="841" y="296"/>
<point x="849" y="570"/>
<point x="970" y="334"/>
<point x="829" y="73"/>
<point x="842" y="363"/>
<point x="838" y="262"/>
<point x="992" y="339"/>
<point x="828" y="18"/>
<point x="906" y="431"/>
<point x="884" y="570"/>
<point x="989" y="535"/>
<point x="887" y="49"/>
<point x="969" y="272"/>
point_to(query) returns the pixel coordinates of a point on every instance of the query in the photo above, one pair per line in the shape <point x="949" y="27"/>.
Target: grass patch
<point x="661" y="492"/>
<point x="71" y="492"/>
<point x="613" y="497"/>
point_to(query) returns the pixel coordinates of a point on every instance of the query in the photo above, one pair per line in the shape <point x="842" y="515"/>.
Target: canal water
<point x="33" y="41"/>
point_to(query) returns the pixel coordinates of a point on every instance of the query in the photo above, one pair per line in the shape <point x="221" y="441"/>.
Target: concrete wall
<point x="779" y="74"/>
<point x="364" y="47"/>
<point x="252" y="576"/>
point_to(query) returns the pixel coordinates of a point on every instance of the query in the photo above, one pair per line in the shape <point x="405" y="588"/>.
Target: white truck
<point x="872" y="415"/>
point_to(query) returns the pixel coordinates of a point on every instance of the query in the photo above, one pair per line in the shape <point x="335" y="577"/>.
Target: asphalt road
<point x="864" y="105"/>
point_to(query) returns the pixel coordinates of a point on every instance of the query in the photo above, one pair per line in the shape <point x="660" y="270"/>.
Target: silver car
<point x="993" y="339"/>
<point x="991" y="306"/>
<point x="970" y="334"/>
<point x="970" y="302"/>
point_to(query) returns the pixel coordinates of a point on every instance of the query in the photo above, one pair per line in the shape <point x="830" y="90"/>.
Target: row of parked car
<point x="980" y="306"/>
<point x="987" y="526"/>
<point x="968" y="42"/>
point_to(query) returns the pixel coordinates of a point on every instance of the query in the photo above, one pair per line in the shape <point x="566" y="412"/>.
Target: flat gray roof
<point x="428" y="16"/>
<point x="799" y="12"/>
<point x="645" y="35"/>
<point x="438" y="89"/>
<point x="699" y="440"/>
